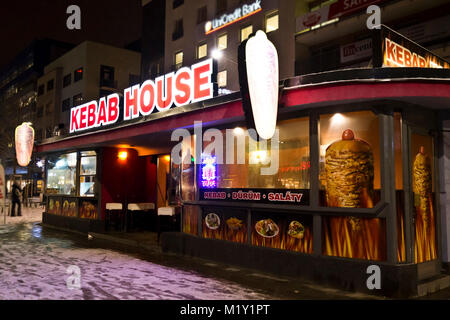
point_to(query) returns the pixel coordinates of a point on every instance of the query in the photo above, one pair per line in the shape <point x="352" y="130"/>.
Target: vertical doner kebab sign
<point x="24" y="138"/>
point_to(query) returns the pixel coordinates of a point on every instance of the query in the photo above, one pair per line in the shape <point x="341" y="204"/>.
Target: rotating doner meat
<point x="349" y="174"/>
<point x="422" y="183"/>
<point x="24" y="143"/>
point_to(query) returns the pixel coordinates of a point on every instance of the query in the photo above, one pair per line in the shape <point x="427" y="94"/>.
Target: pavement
<point x="37" y="262"/>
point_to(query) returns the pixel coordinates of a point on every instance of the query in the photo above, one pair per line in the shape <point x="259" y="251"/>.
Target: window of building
<point x="66" y="104"/>
<point x="41" y="90"/>
<point x="222" y="42"/>
<point x="202" y="14"/>
<point x="88" y="170"/>
<point x="40" y="111"/>
<point x="249" y="157"/>
<point x="178" y="30"/>
<point x="107" y="76"/>
<point x="49" y="108"/>
<point x="222" y="79"/>
<point x="178" y="60"/>
<point x="221" y="6"/>
<point x="272" y="22"/>
<point x="77" y="100"/>
<point x="107" y="73"/>
<point x="48" y="132"/>
<point x="78" y="75"/>
<point x="50" y="85"/>
<point x="246" y="32"/>
<point x="202" y="51"/>
<point x="349" y="156"/>
<point x="61" y="174"/>
<point x="67" y="80"/>
<point x="177" y="3"/>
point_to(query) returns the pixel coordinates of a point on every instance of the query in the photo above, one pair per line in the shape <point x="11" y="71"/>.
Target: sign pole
<point x="3" y="192"/>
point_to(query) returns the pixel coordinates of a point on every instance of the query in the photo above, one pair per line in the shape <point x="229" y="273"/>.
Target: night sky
<point x="115" y="22"/>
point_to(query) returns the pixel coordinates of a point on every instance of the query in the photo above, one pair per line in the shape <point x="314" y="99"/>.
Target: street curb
<point x="125" y="244"/>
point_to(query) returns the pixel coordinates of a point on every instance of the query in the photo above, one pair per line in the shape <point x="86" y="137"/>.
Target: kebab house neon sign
<point x="187" y="85"/>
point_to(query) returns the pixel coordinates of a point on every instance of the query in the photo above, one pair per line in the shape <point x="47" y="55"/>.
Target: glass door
<point x="163" y="172"/>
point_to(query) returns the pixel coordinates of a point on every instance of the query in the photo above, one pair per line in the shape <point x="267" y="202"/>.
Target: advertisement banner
<point x="356" y="50"/>
<point x="393" y="50"/>
<point x="313" y="18"/>
<point x="336" y="10"/>
<point x="279" y="196"/>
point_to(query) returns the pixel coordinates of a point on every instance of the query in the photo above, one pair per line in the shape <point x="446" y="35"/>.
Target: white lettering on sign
<point x="187" y="85"/>
<point x="229" y="18"/>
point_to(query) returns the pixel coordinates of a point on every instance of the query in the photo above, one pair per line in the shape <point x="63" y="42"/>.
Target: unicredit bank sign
<point x="187" y="85"/>
<point x="238" y="14"/>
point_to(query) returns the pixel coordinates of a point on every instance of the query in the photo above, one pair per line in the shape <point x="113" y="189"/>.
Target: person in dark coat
<point x="16" y="192"/>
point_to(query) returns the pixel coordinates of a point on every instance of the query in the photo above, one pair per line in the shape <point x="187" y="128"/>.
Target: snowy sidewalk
<point x="28" y="215"/>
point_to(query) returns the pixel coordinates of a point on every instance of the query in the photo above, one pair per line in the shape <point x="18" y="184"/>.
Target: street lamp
<point x="217" y="54"/>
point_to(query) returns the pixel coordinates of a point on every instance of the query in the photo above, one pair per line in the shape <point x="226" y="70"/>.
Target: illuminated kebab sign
<point x="393" y="50"/>
<point x="187" y="85"/>
<point x="238" y="14"/>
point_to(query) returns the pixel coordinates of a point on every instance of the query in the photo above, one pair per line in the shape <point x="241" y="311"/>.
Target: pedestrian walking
<point x="16" y="193"/>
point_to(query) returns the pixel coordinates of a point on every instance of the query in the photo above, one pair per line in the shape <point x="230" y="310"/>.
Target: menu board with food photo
<point x="54" y="206"/>
<point x="88" y="210"/>
<point x="213" y="224"/>
<point x="288" y="232"/>
<point x="225" y="224"/>
<point x="69" y="208"/>
<point x="236" y="226"/>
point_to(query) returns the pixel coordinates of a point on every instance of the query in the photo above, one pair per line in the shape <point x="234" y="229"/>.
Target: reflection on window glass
<point x="88" y="170"/>
<point x="61" y="174"/>
<point x="293" y="159"/>
<point x="400" y="195"/>
<point x="187" y="171"/>
<point x="349" y="159"/>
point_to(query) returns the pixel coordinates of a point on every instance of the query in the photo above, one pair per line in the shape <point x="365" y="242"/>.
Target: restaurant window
<point x="272" y="22"/>
<point x="221" y="6"/>
<point x="67" y="80"/>
<point x="350" y="178"/>
<point x="77" y="100"/>
<point x="178" y="60"/>
<point x="50" y="85"/>
<point x="78" y="75"/>
<point x="202" y="51"/>
<point x="41" y="90"/>
<point x="424" y="206"/>
<point x="222" y="79"/>
<point x="246" y="32"/>
<point x="66" y="104"/>
<point x="222" y="42"/>
<point x="178" y="30"/>
<point x="188" y="170"/>
<point x="88" y="171"/>
<point x="350" y="157"/>
<point x="202" y="13"/>
<point x="246" y="169"/>
<point x="61" y="174"/>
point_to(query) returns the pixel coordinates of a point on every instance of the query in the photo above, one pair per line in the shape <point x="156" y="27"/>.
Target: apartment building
<point x="89" y="71"/>
<point x="195" y="30"/>
<point x="333" y="34"/>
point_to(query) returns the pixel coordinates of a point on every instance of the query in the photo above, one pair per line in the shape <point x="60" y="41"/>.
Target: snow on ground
<point x="34" y="264"/>
<point x="28" y="215"/>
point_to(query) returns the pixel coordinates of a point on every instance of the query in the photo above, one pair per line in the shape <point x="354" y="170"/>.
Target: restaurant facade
<point x="353" y="176"/>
